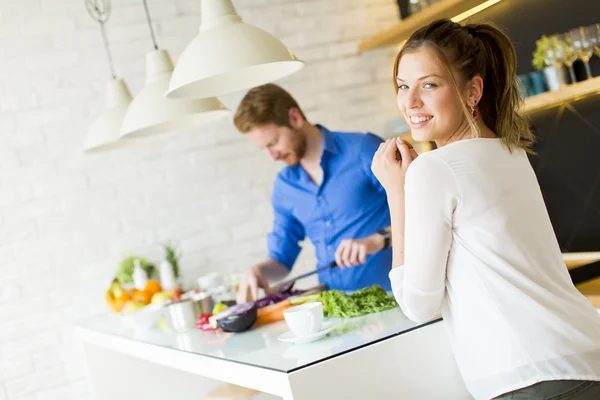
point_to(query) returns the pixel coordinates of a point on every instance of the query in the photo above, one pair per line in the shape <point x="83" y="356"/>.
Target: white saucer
<point x="290" y="336"/>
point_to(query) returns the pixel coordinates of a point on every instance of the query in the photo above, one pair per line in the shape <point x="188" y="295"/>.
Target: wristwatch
<point x="386" y="237"/>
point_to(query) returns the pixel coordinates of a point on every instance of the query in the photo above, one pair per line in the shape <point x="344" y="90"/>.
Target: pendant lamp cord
<point x="111" y="64"/>
<point x="99" y="10"/>
<point x="150" y="25"/>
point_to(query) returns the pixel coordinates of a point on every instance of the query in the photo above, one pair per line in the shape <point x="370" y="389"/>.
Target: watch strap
<point x="386" y="237"/>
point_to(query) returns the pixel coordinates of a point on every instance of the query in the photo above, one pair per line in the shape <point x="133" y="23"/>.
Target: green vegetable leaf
<point x="125" y="271"/>
<point x="172" y="257"/>
<point x="364" y="301"/>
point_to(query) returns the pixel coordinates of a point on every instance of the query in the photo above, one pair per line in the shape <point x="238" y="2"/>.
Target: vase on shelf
<point x="538" y="82"/>
<point x="555" y="77"/>
<point x="526" y="87"/>
<point x="403" y="9"/>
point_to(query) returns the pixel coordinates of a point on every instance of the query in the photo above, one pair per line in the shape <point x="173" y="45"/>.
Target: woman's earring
<point x="474" y="112"/>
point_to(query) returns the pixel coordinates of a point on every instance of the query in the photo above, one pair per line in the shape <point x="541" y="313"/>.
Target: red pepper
<point x="203" y="323"/>
<point x="204" y="318"/>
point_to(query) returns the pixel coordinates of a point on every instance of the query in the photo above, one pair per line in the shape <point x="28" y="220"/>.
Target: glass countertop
<point x="259" y="346"/>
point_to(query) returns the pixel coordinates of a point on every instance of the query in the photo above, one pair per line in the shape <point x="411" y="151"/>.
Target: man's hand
<point x="353" y="252"/>
<point x="250" y="283"/>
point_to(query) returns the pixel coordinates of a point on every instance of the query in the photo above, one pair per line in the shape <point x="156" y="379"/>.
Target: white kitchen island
<point x="378" y="356"/>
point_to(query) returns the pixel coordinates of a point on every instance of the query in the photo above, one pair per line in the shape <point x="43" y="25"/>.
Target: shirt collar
<point x="329" y="144"/>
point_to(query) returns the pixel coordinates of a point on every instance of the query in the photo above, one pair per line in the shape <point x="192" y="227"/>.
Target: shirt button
<point x="328" y="247"/>
<point x="327" y="223"/>
<point x="320" y="198"/>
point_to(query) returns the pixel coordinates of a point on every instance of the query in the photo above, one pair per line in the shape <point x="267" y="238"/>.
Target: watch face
<point x="383" y="232"/>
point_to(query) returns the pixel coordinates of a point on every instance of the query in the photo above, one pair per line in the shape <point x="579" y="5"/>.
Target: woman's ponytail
<point x="501" y="100"/>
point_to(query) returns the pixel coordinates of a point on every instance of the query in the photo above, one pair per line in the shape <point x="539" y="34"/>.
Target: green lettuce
<point x="369" y="300"/>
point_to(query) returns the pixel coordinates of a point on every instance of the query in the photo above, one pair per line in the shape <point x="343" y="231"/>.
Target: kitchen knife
<point x="287" y="285"/>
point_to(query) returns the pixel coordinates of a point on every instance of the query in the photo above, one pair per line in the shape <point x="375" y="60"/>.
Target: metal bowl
<point x="182" y="315"/>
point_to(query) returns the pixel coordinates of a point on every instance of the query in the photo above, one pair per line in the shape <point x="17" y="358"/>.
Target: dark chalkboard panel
<point x="568" y="160"/>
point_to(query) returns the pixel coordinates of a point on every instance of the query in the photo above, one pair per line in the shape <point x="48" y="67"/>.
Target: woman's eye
<point x="429" y="85"/>
<point x="402" y="87"/>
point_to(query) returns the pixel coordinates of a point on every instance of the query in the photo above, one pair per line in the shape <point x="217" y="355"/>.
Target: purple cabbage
<point x="241" y="317"/>
<point x="276" y="298"/>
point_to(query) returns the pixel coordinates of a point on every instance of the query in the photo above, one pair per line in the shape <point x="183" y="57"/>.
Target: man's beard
<point x="299" y="148"/>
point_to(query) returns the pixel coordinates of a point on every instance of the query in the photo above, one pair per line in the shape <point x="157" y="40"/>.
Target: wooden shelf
<point x="441" y="9"/>
<point x="574" y="260"/>
<point x="571" y="92"/>
<point x="591" y="290"/>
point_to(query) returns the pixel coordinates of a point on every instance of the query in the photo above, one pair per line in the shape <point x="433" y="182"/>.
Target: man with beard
<point x="326" y="192"/>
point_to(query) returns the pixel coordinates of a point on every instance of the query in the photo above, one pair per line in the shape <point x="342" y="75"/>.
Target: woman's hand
<point x="388" y="169"/>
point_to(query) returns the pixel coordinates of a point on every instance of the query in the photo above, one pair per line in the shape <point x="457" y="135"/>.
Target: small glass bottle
<point x="140" y="277"/>
<point x="167" y="276"/>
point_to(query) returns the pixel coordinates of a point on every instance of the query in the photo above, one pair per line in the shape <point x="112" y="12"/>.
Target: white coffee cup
<point x="305" y="319"/>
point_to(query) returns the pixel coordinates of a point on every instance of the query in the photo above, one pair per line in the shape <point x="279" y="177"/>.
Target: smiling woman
<point x="470" y="230"/>
<point x="437" y="77"/>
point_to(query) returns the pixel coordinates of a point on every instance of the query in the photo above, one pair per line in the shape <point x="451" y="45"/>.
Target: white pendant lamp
<point x="228" y="56"/>
<point x="104" y="131"/>
<point x="151" y="113"/>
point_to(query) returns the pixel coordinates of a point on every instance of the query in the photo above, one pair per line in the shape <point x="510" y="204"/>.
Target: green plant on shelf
<point x="548" y="52"/>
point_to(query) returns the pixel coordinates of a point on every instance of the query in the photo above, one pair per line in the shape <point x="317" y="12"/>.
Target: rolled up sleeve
<point x="431" y="196"/>
<point x="283" y="241"/>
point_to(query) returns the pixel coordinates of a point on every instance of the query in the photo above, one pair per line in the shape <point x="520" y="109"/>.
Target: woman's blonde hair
<point x="484" y="50"/>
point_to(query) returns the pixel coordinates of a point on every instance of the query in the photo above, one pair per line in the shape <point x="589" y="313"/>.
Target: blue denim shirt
<point x="349" y="204"/>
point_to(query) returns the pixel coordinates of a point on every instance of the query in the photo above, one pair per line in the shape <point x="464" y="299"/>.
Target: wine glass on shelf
<point x="582" y="42"/>
<point x="416" y="6"/>
<point x="566" y="41"/>
<point x="596" y="29"/>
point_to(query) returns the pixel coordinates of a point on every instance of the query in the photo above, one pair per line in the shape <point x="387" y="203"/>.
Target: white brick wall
<point x="68" y="218"/>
